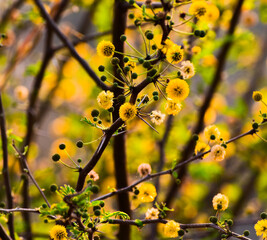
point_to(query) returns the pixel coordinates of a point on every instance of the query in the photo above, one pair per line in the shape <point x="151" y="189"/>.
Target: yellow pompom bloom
<point x="212" y="132"/>
<point x="257" y="96"/>
<point x="177" y="90"/>
<point x="127" y="111"/>
<point x="105" y="49"/>
<point x="217" y="153"/>
<point x="171" y="229"/>
<point x="199" y="9"/>
<point x="175" y="54"/>
<point x="147" y="192"/>
<point x="261" y="228"/>
<point x="58" y="232"/>
<point x="220" y="202"/>
<point x="105" y="99"/>
<point x="212" y="14"/>
<point x="173" y="107"/>
<point x="201" y="147"/>
<point x="196" y="49"/>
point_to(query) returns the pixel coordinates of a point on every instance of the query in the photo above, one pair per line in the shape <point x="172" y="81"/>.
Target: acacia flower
<point x="196" y="49"/>
<point x="187" y="69"/>
<point x="177" y="90"/>
<point x="175" y="54"/>
<point x="147" y="192"/>
<point x="261" y="228"/>
<point x="105" y="99"/>
<point x="201" y="147"/>
<point x="93" y="175"/>
<point x="199" y="9"/>
<point x="171" y="229"/>
<point x="105" y="49"/>
<point x="157" y="117"/>
<point x="58" y="232"/>
<point x="21" y="93"/>
<point x="144" y="169"/>
<point x="217" y="153"/>
<point x="212" y="13"/>
<point x="221" y="200"/>
<point x="127" y="111"/>
<point x="152" y="213"/>
<point x="173" y="107"/>
<point x="212" y="132"/>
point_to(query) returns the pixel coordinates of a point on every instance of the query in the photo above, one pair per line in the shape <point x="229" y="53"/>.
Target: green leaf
<point x="175" y="174"/>
<point x="139" y="223"/>
<point x="88" y="121"/>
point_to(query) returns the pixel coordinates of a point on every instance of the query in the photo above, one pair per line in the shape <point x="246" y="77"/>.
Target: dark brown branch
<point x="3" y="234"/>
<point x="5" y="170"/>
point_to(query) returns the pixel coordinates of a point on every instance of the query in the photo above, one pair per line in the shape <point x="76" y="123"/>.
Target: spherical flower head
<point x="144" y="169"/>
<point x="201" y="147"/>
<point x="217" y="153"/>
<point x="177" y="90"/>
<point x="21" y="93"/>
<point x="173" y="107"/>
<point x="171" y="229"/>
<point x="175" y="54"/>
<point x="152" y="213"/>
<point x="147" y="192"/>
<point x="187" y="69"/>
<point x="105" y="49"/>
<point x="261" y="228"/>
<point x="157" y="117"/>
<point x="212" y="130"/>
<point x="257" y="96"/>
<point x="105" y="99"/>
<point x="212" y="13"/>
<point x="199" y="9"/>
<point x="127" y="111"/>
<point x="58" y="232"/>
<point x="249" y="18"/>
<point x="196" y="49"/>
<point x="93" y="175"/>
<point x="220" y="200"/>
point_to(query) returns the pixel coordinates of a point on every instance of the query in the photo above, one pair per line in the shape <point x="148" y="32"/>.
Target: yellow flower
<point x="173" y="107"/>
<point x="105" y="49"/>
<point x="217" y="153"/>
<point x="201" y="147"/>
<point x="58" y="232"/>
<point x="105" y="99"/>
<point x="220" y="200"/>
<point x="175" y="54"/>
<point x="157" y="117"/>
<point x="147" y="192"/>
<point x="212" y="14"/>
<point x="177" y="90"/>
<point x="187" y="69"/>
<point x="152" y="213"/>
<point x="261" y="228"/>
<point x="257" y="96"/>
<point x="171" y="229"/>
<point x="199" y="9"/>
<point x="209" y="61"/>
<point x="127" y="111"/>
<point x="212" y="132"/>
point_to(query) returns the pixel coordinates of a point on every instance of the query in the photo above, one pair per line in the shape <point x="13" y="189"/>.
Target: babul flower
<point x="144" y="169"/>
<point x="147" y="192"/>
<point x="261" y="228"/>
<point x="257" y="96"/>
<point x="212" y="132"/>
<point x="199" y="9"/>
<point x="212" y="13"/>
<point x="105" y="49"/>
<point x="173" y="107"/>
<point x="21" y="93"/>
<point x="187" y="69"/>
<point x="177" y="90"/>
<point x="201" y="147"/>
<point x="152" y="213"/>
<point x="171" y="229"/>
<point x="127" y="111"/>
<point x="220" y="202"/>
<point x="105" y="99"/>
<point x="58" y="232"/>
<point x="217" y="153"/>
<point x="175" y="54"/>
<point x="196" y="49"/>
<point x="157" y="117"/>
<point x="93" y="175"/>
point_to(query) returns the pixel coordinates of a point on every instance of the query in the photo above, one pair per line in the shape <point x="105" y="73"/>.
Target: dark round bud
<point x="53" y="188"/>
<point x="141" y="60"/>
<point x="136" y="191"/>
<point x="96" y="208"/>
<point x="197" y="33"/>
<point x="230" y="222"/>
<point x="202" y="34"/>
<point x="56" y="157"/>
<point x="99" y="122"/>
<point x="255" y="126"/>
<point x="114" y="61"/>
<point x="195" y="137"/>
<point x="110" y="220"/>
<point x="79" y="160"/>
<point x="111" y="109"/>
<point x="155" y="93"/>
<point x="85" y="215"/>
<point x="125" y="59"/>
<point x="95" y="119"/>
<point x="97" y="212"/>
<point x="45" y="220"/>
<point x="153" y="72"/>
<point x="171" y="23"/>
<point x="131" y="2"/>
<point x="213" y="219"/>
<point x="137" y="22"/>
<point x="115" y="84"/>
<point x="123" y="38"/>
<point x="181" y="232"/>
<point x="121" y="99"/>
<point x="168" y="17"/>
<point x="103" y="78"/>
<point x="62" y="146"/>
<point x="149" y="79"/>
<point x="263" y="215"/>
<point x="156" y="98"/>
<point x="95" y="189"/>
<point x="134" y="75"/>
<point x="131" y="16"/>
<point x="90" y="225"/>
<point x="79" y="144"/>
<point x="2" y="204"/>
<point x="182" y="15"/>
<point x="246" y="233"/>
<point x="102" y="204"/>
<point x="126" y="68"/>
<point x="101" y="68"/>
<point x="96" y="237"/>
<point x="146" y="65"/>
<point x="24" y="176"/>
<point x="224" y="145"/>
<point x="149" y="35"/>
<point x="219" y="206"/>
<point x="154" y="47"/>
<point x="44" y="205"/>
<point x="95" y="113"/>
<point x="223" y="236"/>
<point x="212" y="137"/>
<point x="179" y="74"/>
<point x="138" y="100"/>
